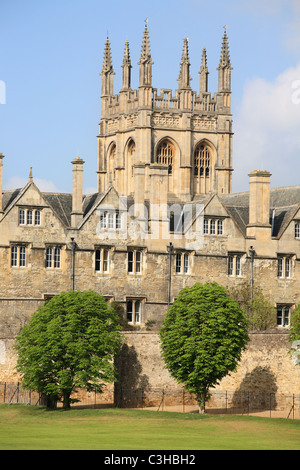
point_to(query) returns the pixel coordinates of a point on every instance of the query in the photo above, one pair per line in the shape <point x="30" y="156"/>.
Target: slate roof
<point x="284" y="203"/>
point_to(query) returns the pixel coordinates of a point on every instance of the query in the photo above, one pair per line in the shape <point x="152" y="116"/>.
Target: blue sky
<point x="51" y="55"/>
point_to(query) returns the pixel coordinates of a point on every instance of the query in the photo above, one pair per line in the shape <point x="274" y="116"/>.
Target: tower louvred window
<point x="202" y="161"/>
<point x="165" y="154"/>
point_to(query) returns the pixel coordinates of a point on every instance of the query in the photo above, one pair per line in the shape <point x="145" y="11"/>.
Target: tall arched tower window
<point x="202" y="168"/>
<point x="165" y="154"/>
<point x="111" y="163"/>
<point x="130" y="160"/>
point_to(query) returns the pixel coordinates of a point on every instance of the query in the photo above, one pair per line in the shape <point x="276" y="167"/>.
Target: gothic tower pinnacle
<point x="145" y="62"/>
<point x="203" y="73"/>
<point x="107" y="72"/>
<point x="225" y="65"/>
<point x="184" y="78"/>
<point x="126" y="68"/>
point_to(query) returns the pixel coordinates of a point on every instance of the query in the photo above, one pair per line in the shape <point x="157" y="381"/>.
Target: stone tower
<point x="183" y="141"/>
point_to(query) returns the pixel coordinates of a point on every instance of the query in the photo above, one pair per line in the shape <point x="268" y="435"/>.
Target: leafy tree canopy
<point x="69" y="344"/>
<point x="259" y="310"/>
<point x="202" y="338"/>
<point x="294" y="335"/>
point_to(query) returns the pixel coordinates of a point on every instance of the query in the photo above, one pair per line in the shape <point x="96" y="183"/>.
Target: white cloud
<point x="266" y="130"/>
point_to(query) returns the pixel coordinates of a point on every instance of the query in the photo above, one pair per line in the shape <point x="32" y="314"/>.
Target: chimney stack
<point x="77" y="213"/>
<point x="259" y="205"/>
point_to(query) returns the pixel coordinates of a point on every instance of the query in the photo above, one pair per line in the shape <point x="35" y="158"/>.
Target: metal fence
<point x="267" y="404"/>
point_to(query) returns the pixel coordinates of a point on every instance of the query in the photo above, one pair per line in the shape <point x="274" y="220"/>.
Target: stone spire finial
<point x="225" y="56"/>
<point x="126" y="68"/>
<point x="107" y="72"/>
<point x="184" y="78"/>
<point x="225" y="65"/>
<point x="204" y="72"/>
<point x="145" y="62"/>
<point x="107" y="62"/>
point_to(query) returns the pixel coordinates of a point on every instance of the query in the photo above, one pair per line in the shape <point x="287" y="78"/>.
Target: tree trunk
<point x="66" y="401"/>
<point x="201" y="399"/>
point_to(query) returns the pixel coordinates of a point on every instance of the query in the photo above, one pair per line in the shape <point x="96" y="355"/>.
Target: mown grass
<point x="35" y="428"/>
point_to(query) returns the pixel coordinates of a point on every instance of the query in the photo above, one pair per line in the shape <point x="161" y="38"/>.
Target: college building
<point x="164" y="215"/>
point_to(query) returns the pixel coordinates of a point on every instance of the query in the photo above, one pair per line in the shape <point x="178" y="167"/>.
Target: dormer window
<point x="29" y="217"/>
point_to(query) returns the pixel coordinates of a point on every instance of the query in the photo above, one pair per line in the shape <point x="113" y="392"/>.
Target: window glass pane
<point x="137" y="313"/>
<point x="110" y="220"/>
<point x="280" y="267"/>
<point x="138" y="261"/>
<point x="230" y="265"/>
<point x="220" y="227"/>
<point x="178" y="262"/>
<point x="29" y="217"/>
<point x="129" y="310"/>
<point x="57" y="257"/>
<point x="205" y="226"/>
<point x="97" y="260"/>
<point x="130" y="261"/>
<point x="49" y="257"/>
<point x="279" y="315"/>
<point x="103" y="220"/>
<point x="105" y="261"/>
<point x="286" y="316"/>
<point x="118" y="220"/>
<point x="22" y="256"/>
<point x="212" y="227"/>
<point x="37" y="218"/>
<point x="288" y="267"/>
<point x="186" y="263"/>
<point x="21" y="216"/>
<point x="14" y="256"/>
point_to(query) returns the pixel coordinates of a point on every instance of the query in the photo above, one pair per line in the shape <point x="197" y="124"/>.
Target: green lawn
<point x="33" y="427"/>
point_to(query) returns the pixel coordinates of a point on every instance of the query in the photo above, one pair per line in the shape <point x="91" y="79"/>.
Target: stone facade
<point x="164" y="216"/>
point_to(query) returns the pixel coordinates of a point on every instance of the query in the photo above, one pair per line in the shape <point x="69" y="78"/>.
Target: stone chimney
<point x="1" y="167"/>
<point x="77" y="212"/>
<point x="259" y="205"/>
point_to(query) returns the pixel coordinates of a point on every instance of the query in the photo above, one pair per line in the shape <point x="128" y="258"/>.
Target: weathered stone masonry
<point x="164" y="173"/>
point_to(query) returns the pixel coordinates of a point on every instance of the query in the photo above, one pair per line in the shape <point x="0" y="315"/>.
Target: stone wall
<point x="266" y="365"/>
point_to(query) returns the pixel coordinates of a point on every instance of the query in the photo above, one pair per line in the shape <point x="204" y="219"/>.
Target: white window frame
<point x="234" y="265"/>
<point x="53" y="257"/>
<point x="29" y="217"/>
<point x="285" y="266"/>
<point x="18" y="257"/>
<point x="213" y="226"/>
<point x="134" y="311"/>
<point x="182" y="263"/>
<point x="102" y="260"/>
<point x="134" y="261"/>
<point x="284" y="315"/>
<point x="297" y="230"/>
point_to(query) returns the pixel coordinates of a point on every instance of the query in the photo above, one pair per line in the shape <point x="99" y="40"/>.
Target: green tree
<point x="259" y="310"/>
<point x="202" y="338"/>
<point x="294" y="335"/>
<point x="69" y="344"/>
